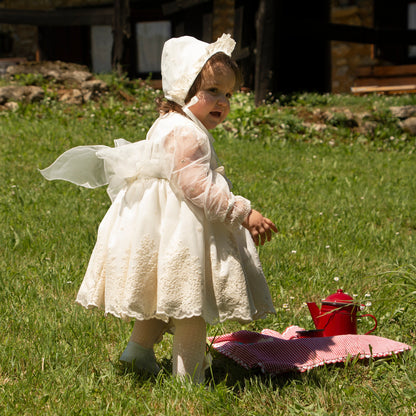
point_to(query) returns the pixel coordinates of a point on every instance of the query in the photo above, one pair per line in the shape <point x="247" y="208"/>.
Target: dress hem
<point x="163" y="316"/>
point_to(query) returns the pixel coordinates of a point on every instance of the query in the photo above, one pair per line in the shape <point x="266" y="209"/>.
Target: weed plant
<point x="344" y="203"/>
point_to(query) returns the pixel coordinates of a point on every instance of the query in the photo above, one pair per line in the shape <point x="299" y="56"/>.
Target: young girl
<point x="176" y="250"/>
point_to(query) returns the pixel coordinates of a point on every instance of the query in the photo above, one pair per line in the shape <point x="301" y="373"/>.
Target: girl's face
<point x="214" y="96"/>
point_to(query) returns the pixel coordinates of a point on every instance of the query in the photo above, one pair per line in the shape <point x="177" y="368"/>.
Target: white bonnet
<point x="182" y="61"/>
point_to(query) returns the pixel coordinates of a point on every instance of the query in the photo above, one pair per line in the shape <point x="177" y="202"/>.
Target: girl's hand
<point x="260" y="227"/>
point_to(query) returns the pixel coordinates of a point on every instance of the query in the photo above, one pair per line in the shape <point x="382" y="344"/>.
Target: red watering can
<point x="338" y="315"/>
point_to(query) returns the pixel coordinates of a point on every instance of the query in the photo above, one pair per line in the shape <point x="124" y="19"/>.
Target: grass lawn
<point x="344" y="202"/>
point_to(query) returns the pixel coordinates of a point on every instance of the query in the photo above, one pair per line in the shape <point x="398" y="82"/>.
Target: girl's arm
<point x="200" y="185"/>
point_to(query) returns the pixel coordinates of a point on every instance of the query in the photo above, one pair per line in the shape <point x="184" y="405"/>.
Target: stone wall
<point x="50" y="4"/>
<point x="223" y="17"/>
<point x="346" y="57"/>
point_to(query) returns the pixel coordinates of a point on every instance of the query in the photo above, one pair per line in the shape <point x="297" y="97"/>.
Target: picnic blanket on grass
<point x="278" y="353"/>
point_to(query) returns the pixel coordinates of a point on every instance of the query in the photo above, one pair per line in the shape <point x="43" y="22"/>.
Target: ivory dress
<point x="171" y="245"/>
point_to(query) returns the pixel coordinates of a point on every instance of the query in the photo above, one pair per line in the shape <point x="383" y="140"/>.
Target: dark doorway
<point x="302" y="60"/>
<point x="395" y="18"/>
<point x="65" y="43"/>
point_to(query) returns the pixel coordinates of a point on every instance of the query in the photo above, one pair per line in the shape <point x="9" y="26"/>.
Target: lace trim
<point x="240" y="209"/>
<point x="223" y="44"/>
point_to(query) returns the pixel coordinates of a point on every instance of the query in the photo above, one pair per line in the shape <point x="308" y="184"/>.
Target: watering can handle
<point x="375" y="325"/>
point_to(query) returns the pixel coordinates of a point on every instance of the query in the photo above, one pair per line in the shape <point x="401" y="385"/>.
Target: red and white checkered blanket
<point x="278" y="353"/>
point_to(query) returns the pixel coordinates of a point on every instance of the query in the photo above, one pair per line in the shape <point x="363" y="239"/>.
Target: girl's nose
<point x="222" y="100"/>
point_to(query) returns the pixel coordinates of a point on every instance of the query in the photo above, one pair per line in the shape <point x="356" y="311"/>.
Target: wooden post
<point x="265" y="54"/>
<point x="121" y="33"/>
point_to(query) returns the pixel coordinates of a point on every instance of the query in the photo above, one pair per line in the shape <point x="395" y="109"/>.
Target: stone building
<point x="346" y="57"/>
<point x="383" y="42"/>
<point x="314" y="48"/>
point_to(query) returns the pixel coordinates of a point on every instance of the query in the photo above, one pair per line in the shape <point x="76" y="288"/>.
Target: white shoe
<point x="139" y="359"/>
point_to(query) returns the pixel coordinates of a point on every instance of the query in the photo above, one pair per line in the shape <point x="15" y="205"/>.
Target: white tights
<point x="189" y="343"/>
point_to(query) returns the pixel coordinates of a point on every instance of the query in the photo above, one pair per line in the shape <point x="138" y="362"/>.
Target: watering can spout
<point x="314" y="310"/>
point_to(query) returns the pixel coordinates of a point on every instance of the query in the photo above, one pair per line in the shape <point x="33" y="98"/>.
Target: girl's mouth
<point x="216" y="114"/>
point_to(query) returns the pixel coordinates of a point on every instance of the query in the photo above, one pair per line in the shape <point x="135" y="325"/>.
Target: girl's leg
<point x="189" y="345"/>
<point x="139" y="354"/>
<point x="148" y="333"/>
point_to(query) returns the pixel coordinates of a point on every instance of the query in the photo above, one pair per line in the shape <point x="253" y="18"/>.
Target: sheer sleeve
<point x="193" y="177"/>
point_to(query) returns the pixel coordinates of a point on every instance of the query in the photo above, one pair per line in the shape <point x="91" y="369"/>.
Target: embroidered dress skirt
<point x="156" y="256"/>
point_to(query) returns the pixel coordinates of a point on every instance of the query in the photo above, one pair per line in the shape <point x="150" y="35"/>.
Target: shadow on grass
<point x="236" y="377"/>
<point x="225" y="371"/>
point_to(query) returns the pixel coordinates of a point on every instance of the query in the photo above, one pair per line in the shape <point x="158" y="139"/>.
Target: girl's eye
<point x="213" y="90"/>
<point x="228" y="95"/>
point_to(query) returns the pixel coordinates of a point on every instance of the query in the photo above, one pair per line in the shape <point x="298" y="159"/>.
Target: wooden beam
<point x="386" y="71"/>
<point x="350" y="33"/>
<point x="178" y="5"/>
<point x="390" y="79"/>
<point x="61" y="17"/>
<point x="385" y="81"/>
<point x="361" y="34"/>
<point x="394" y="89"/>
